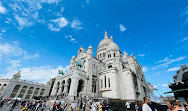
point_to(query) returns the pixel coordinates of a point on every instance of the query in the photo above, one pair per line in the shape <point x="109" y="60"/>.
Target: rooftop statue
<point x="61" y="72"/>
<point x="78" y="63"/>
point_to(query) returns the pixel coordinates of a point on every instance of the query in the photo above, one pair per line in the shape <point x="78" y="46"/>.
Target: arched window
<point x="2" y="88"/>
<point x="15" y="90"/>
<point x="22" y="92"/>
<point x="110" y="66"/>
<point x="103" y="54"/>
<point x="42" y="92"/>
<point x="108" y="82"/>
<point x="100" y="55"/>
<point x="105" y="81"/>
<point x="36" y="92"/>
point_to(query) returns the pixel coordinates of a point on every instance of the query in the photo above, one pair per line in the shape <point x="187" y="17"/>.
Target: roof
<point x="179" y="90"/>
<point x="17" y="74"/>
<point x="113" y="46"/>
<point x="105" y="41"/>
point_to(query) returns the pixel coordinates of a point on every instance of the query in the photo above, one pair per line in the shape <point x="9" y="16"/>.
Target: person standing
<point x="43" y="106"/>
<point x="94" y="106"/>
<point x="171" y="106"/>
<point x="145" y="106"/>
<point x="100" y="107"/>
<point x="128" y="105"/>
<point x="179" y="107"/>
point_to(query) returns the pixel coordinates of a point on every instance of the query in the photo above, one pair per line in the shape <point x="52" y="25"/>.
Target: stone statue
<point x="78" y="64"/>
<point x="61" y="72"/>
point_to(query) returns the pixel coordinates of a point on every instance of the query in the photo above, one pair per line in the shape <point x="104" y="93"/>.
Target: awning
<point x="176" y="91"/>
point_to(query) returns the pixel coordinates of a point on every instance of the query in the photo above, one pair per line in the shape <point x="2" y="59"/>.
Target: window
<point x="101" y="83"/>
<point x="108" y="82"/>
<point x="110" y="66"/>
<point x="114" y="55"/>
<point x="105" y="81"/>
<point x="103" y="54"/>
<point x="100" y="55"/>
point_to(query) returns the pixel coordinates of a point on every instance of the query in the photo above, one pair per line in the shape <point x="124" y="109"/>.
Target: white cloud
<point x="14" y="50"/>
<point x="61" y="22"/>
<point x="3" y="10"/>
<point x="163" y="60"/>
<point x="166" y="61"/>
<point x="10" y="49"/>
<point x="141" y="55"/>
<point x="73" y="40"/>
<point x="145" y="69"/>
<point x="26" y="12"/>
<point x="184" y="39"/>
<point x="57" y="24"/>
<point x="76" y="24"/>
<point x="164" y="85"/>
<point x="52" y="28"/>
<point x="14" y="64"/>
<point x="39" y="74"/>
<point x="174" y="69"/>
<point x="23" y="22"/>
<point x="122" y="28"/>
<point x="30" y="56"/>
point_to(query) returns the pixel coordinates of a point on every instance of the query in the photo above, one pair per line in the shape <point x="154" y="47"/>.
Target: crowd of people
<point x="23" y="105"/>
<point x="89" y="104"/>
<point x="82" y="104"/>
<point x="148" y="106"/>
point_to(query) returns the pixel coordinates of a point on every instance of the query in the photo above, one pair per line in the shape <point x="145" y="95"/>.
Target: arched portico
<point x="80" y="86"/>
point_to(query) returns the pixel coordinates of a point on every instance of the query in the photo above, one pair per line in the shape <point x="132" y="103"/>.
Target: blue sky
<point x="40" y="36"/>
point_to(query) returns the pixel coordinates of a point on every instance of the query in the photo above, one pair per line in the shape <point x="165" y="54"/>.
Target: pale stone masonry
<point x="15" y="87"/>
<point x="110" y="74"/>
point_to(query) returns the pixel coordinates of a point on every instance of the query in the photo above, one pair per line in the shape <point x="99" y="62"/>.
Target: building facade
<point x="180" y="85"/>
<point x="15" y="87"/>
<point x="110" y="74"/>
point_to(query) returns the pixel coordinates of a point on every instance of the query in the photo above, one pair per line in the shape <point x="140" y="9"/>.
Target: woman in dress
<point x="100" y="107"/>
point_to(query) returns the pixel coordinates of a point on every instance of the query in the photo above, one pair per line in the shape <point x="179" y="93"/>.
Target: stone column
<point x="54" y="90"/>
<point x="32" y="93"/>
<point x="25" y="93"/>
<point x="17" y="94"/>
<point x="60" y="90"/>
<point x="74" y="86"/>
<point x="65" y="89"/>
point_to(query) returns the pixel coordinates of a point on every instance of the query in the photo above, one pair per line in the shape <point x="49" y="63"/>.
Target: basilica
<point x="110" y="74"/>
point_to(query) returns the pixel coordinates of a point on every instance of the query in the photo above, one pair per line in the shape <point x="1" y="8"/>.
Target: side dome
<point x="113" y="46"/>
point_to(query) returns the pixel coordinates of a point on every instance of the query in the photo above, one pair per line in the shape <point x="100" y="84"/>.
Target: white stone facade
<point x="110" y="75"/>
<point x="23" y="89"/>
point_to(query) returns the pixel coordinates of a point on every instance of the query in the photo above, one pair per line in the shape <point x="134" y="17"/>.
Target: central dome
<point x="113" y="46"/>
<point x="105" y="41"/>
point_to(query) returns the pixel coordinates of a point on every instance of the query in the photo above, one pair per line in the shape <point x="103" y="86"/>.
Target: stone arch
<point x="22" y="92"/>
<point x="3" y="88"/>
<point x="36" y="91"/>
<point x="68" y="84"/>
<point x="29" y="93"/>
<point x="63" y="85"/>
<point x="15" y="90"/>
<point x="80" y="86"/>
<point x="42" y="92"/>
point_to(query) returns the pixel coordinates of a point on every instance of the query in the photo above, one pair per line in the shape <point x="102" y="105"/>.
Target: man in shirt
<point x="145" y="106"/>
<point x="128" y="105"/>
